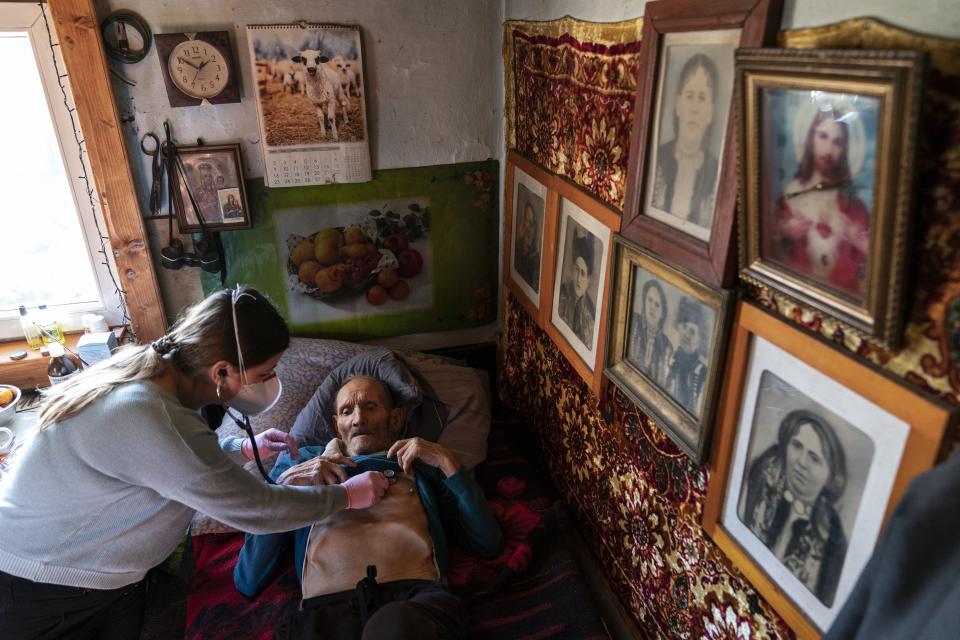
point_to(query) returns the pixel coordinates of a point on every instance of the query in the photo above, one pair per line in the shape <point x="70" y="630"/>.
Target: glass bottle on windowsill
<point x="30" y="331"/>
<point x="61" y="368"/>
<point x="50" y="329"/>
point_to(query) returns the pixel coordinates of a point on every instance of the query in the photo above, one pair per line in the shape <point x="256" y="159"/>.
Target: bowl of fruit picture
<point x="335" y="262"/>
<point x="374" y="255"/>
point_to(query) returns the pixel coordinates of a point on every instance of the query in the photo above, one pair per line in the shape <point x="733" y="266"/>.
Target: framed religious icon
<point x="531" y="210"/>
<point x="681" y="183"/>
<point x="579" y="264"/>
<point x="828" y="143"/>
<point x="215" y="177"/>
<point x="812" y="451"/>
<point x="666" y="344"/>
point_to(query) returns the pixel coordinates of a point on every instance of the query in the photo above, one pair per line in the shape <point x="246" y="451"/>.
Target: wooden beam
<point x="78" y="32"/>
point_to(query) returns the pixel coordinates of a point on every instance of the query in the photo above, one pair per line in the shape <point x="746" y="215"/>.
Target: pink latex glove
<point x="270" y="443"/>
<point x="365" y="489"/>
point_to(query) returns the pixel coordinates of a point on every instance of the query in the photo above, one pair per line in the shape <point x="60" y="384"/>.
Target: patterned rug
<point x="570" y="87"/>
<point x="532" y="590"/>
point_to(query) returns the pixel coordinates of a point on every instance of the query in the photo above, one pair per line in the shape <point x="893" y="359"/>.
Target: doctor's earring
<point x="221" y="376"/>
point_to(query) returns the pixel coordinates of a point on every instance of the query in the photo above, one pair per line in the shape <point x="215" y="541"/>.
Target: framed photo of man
<point x="828" y="142"/>
<point x="681" y="184"/>
<point x="667" y="342"/>
<point x="578" y="279"/>
<point x="813" y="449"/>
<point x="582" y="247"/>
<point x="530" y="207"/>
<point x="214" y="175"/>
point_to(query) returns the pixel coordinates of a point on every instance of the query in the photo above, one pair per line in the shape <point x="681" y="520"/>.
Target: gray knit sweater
<point x="96" y="500"/>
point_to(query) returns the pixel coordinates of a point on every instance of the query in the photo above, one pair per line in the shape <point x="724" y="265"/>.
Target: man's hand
<point x="270" y="443"/>
<point x="323" y="469"/>
<point x="431" y="453"/>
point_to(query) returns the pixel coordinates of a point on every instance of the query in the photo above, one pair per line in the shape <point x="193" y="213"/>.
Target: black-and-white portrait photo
<point x="527" y="235"/>
<point x="669" y="339"/>
<point x="692" y="105"/>
<point x="804" y="481"/>
<point x="579" y="281"/>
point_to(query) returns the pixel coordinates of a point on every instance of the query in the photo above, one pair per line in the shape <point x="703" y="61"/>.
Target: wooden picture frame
<point x="830" y="228"/>
<point x="604" y="221"/>
<point x="861" y="436"/>
<point x="672" y="371"/>
<point x="681" y="184"/>
<point x="528" y="201"/>
<point x="215" y="176"/>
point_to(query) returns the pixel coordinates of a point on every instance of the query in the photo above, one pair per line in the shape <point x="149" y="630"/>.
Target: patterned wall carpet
<point x="637" y="498"/>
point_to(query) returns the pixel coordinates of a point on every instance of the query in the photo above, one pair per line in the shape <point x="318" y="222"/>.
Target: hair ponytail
<point x="203" y="335"/>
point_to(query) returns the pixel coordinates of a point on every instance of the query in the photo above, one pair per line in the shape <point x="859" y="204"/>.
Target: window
<point x="52" y="249"/>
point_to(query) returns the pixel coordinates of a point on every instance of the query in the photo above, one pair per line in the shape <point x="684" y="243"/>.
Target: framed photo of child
<point x="828" y="179"/>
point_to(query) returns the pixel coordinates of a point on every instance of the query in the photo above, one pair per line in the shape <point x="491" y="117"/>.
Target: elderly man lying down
<point x="377" y="572"/>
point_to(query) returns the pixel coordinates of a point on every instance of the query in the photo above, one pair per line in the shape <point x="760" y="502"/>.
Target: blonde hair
<point x="203" y="335"/>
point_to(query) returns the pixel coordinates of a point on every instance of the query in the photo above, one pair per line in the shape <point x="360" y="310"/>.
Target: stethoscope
<point x="244" y="422"/>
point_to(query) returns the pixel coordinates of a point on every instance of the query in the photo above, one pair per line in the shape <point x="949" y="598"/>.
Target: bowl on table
<point x="9" y="396"/>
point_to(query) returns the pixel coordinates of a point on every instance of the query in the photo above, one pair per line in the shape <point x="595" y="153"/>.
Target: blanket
<point x="532" y="590"/>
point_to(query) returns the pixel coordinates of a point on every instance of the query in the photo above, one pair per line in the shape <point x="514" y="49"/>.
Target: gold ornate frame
<point x="895" y="78"/>
<point x="690" y="433"/>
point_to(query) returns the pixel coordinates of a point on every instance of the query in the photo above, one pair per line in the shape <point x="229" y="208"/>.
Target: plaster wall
<point x="433" y="76"/>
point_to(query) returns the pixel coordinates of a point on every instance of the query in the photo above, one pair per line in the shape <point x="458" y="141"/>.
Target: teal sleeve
<point x="475" y="528"/>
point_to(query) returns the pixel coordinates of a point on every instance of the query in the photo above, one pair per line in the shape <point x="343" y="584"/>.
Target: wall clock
<point x="198" y="68"/>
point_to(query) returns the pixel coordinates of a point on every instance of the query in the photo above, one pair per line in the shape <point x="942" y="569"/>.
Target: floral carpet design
<point x="570" y="90"/>
<point x="635" y="496"/>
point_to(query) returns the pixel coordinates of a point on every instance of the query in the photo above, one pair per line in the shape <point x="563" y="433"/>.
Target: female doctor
<point x="106" y="487"/>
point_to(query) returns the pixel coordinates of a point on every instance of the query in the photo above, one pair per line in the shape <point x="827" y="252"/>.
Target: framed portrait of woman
<point x="531" y="209"/>
<point x="681" y="182"/>
<point x="666" y="344"/>
<point x="812" y="451"/>
<point x="828" y="141"/>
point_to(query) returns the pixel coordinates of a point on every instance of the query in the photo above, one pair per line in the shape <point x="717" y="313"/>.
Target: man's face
<point x="581" y="277"/>
<point x="526" y="227"/>
<point x="689" y="334"/>
<point x="365" y="419"/>
<point x="828" y="146"/>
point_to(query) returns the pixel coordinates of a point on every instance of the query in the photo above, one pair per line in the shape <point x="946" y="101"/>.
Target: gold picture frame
<point x="829" y="225"/>
<point x="779" y="381"/>
<point x="666" y="344"/>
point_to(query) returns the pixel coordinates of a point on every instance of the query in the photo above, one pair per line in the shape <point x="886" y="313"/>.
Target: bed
<point x="532" y="590"/>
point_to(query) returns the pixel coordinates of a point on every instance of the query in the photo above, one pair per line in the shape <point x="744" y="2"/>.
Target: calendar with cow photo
<point x="310" y="103"/>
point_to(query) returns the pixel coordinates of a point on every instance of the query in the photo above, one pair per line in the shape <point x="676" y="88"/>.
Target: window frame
<point x="28" y="19"/>
<point x="77" y="29"/>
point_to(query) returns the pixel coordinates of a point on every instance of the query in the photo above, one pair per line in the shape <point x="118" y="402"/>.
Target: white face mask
<point x="259" y="397"/>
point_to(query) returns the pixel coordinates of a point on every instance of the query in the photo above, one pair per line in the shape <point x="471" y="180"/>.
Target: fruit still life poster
<point x="367" y="258"/>
<point x="412" y="251"/>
